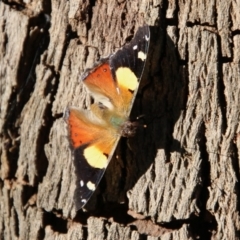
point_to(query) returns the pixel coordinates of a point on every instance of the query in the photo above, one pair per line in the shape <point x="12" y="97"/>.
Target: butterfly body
<point x="95" y="132"/>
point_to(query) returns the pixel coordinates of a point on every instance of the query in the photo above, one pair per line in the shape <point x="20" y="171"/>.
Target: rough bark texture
<point x="176" y="179"/>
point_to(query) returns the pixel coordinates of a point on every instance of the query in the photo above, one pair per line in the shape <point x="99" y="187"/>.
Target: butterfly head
<point x="128" y="129"/>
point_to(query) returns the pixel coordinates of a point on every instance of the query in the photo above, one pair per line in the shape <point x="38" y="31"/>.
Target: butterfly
<point x="95" y="132"/>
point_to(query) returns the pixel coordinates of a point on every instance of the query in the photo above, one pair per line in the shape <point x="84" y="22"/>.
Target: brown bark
<point x="176" y="179"/>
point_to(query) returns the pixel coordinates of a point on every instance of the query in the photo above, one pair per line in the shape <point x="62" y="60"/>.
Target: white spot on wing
<point x="135" y="47"/>
<point x="147" y="38"/>
<point x="91" y="186"/>
<point x="83" y="200"/>
<point x="81" y="183"/>
<point x="142" y="56"/>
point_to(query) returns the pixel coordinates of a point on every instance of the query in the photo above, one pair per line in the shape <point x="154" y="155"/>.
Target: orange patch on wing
<point x="101" y="80"/>
<point x="79" y="129"/>
<point x="82" y="130"/>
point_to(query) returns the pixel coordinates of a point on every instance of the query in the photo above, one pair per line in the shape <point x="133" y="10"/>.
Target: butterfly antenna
<point x="139" y="119"/>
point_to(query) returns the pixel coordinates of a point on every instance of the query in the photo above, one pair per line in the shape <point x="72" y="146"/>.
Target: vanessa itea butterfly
<point x="94" y="133"/>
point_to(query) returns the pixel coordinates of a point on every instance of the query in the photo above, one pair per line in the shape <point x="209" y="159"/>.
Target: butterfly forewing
<point x="133" y="55"/>
<point x="93" y="143"/>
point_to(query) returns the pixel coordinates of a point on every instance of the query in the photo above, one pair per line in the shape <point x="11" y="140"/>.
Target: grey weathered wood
<point x="178" y="178"/>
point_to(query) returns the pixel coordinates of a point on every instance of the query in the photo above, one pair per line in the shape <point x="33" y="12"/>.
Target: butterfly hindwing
<point x="94" y="133"/>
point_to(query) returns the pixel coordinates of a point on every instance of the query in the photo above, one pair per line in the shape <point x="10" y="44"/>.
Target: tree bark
<point x="176" y="179"/>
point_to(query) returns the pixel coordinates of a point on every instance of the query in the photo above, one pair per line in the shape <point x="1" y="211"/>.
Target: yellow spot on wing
<point x="91" y="186"/>
<point x="95" y="157"/>
<point x="126" y="78"/>
<point x="142" y="56"/>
